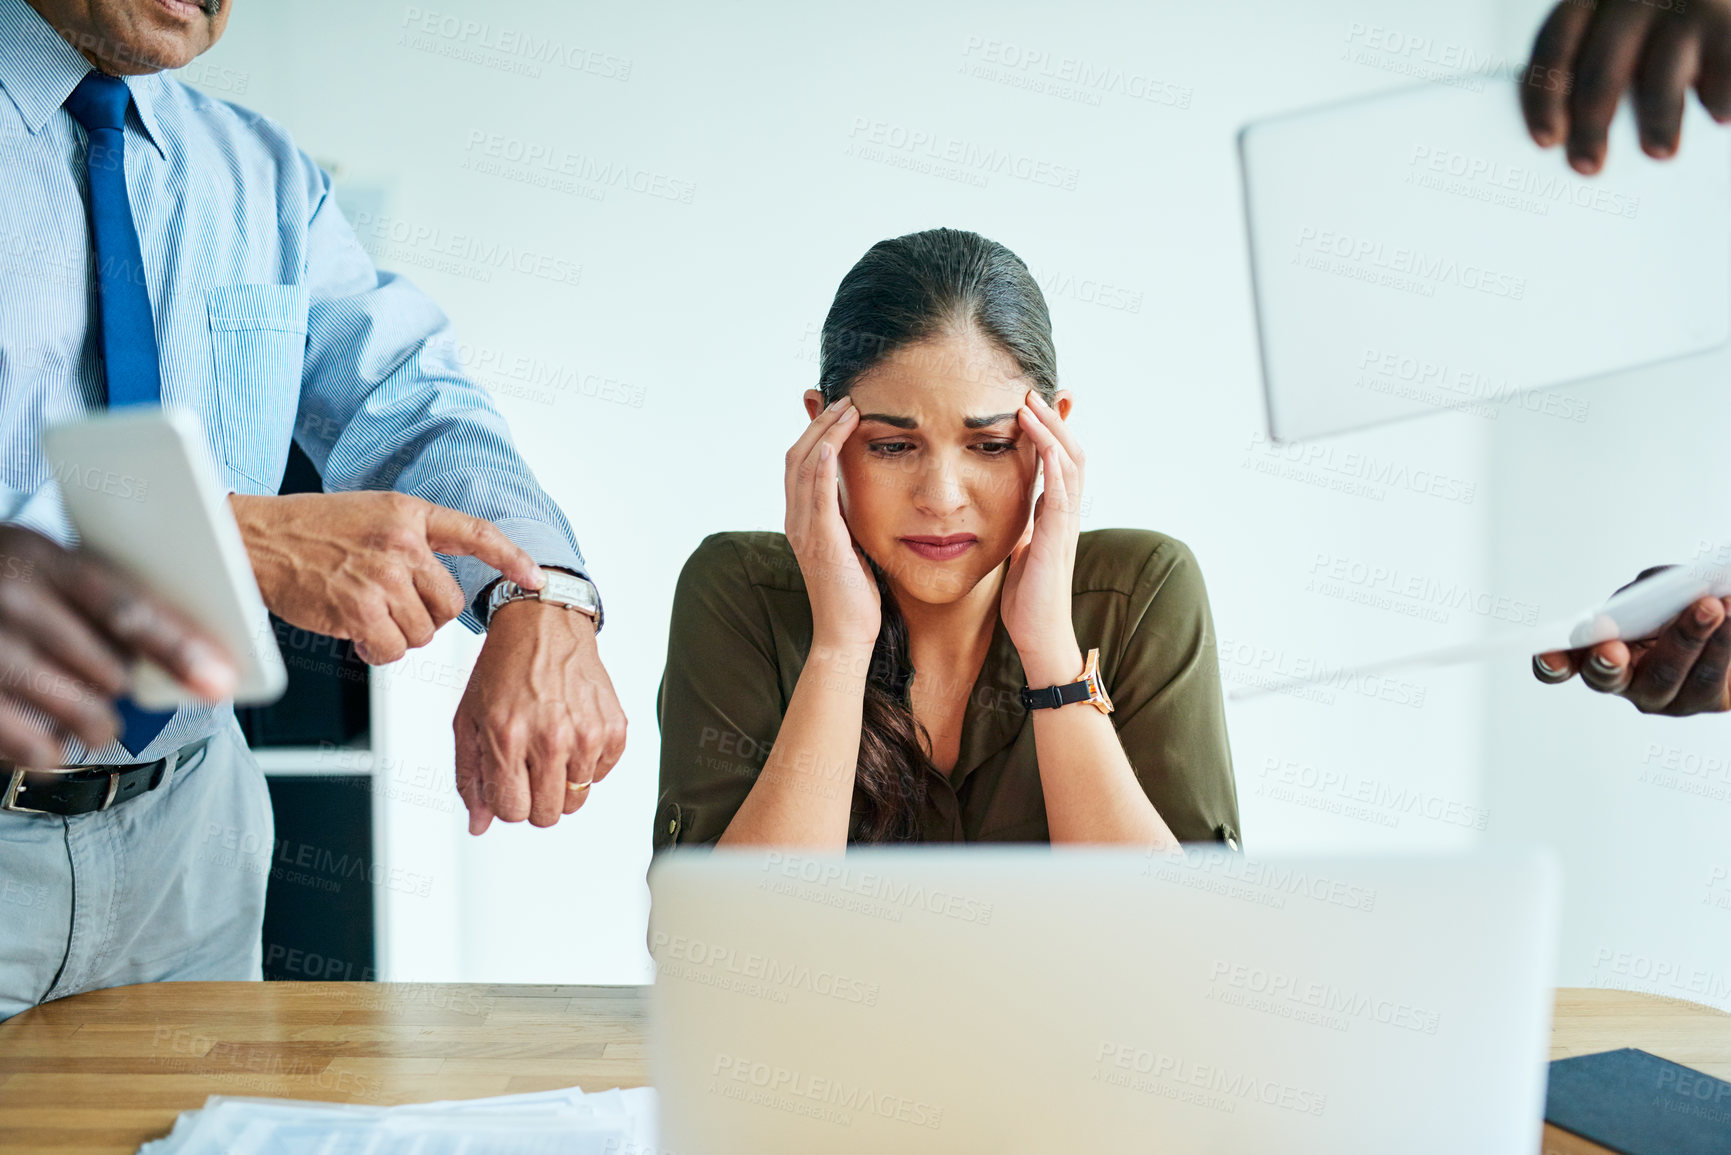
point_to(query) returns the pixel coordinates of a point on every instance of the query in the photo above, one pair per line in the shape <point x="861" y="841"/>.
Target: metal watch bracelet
<point x="568" y="590"/>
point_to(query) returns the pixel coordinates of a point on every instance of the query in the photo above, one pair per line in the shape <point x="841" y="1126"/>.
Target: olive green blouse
<point x="742" y="627"/>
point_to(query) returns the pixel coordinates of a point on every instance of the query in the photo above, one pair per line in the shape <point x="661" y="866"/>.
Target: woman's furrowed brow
<point x="909" y="423"/>
<point x="891" y="419"/>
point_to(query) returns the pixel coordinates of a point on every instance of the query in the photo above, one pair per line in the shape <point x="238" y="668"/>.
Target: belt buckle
<point x="13" y="789"/>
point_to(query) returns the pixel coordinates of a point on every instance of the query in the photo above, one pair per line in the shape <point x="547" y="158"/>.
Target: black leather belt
<point x="86" y="789"/>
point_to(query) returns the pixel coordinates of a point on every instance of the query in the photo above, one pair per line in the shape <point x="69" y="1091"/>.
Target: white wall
<point x="706" y="312"/>
<point x="1637" y="807"/>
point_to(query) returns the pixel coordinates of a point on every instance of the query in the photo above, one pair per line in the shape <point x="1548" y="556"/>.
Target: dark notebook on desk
<point x="1639" y="1104"/>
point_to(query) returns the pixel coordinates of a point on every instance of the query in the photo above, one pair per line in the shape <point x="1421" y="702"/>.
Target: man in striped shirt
<point x="252" y="303"/>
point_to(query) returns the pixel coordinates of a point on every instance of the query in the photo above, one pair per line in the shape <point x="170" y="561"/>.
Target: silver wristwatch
<point x="561" y="588"/>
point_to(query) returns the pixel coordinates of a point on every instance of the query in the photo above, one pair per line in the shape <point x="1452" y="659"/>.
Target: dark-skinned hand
<point x="1588" y="54"/>
<point x="1680" y="670"/>
<point x="71" y="627"/>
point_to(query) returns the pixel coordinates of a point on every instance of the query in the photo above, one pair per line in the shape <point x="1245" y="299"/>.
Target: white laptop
<point x="1011" y="1000"/>
<point x="1415" y="252"/>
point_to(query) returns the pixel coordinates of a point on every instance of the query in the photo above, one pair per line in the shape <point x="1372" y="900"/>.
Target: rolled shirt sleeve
<point x="385" y="404"/>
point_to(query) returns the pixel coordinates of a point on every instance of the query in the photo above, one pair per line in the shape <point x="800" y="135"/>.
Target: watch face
<point x="569" y="589"/>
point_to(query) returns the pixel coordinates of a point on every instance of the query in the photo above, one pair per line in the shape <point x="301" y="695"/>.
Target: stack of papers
<point x="563" y="1122"/>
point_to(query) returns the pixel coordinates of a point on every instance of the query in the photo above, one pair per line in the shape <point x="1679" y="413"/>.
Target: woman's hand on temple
<point x="1035" y="603"/>
<point x="845" y="608"/>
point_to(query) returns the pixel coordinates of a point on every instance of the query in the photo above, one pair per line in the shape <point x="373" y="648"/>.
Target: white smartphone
<point x="141" y="490"/>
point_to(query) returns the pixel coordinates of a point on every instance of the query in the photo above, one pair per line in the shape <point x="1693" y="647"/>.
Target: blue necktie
<point x="129" y="354"/>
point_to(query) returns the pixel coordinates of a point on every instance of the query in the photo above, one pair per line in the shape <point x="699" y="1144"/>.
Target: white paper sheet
<point x="564" y="1122"/>
<point x="1639" y="610"/>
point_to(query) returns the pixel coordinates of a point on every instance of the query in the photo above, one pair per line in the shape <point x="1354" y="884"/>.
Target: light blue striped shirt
<point x="271" y="320"/>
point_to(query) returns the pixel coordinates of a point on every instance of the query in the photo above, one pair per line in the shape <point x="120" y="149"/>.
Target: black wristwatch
<point x="1088" y="689"/>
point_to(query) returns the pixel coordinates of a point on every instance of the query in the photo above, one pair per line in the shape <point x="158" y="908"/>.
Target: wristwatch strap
<point x="503" y="591"/>
<point x="1051" y="697"/>
<point x="1087" y="688"/>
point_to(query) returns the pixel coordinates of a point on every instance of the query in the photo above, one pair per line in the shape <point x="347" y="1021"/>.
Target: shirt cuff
<point x="543" y="543"/>
<point x="44" y="512"/>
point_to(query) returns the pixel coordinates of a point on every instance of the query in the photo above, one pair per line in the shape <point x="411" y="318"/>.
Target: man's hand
<point x="70" y="627"/>
<point x="1684" y="669"/>
<point x="538" y="718"/>
<point x="1588" y="52"/>
<point x="362" y="565"/>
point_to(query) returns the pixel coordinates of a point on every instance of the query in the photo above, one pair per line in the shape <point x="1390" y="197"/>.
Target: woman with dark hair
<point x="930" y="653"/>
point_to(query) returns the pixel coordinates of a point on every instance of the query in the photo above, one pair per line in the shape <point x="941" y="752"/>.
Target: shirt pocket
<point x="258" y="337"/>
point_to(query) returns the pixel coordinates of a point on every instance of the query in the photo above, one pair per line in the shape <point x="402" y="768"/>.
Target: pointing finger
<point x="460" y="535"/>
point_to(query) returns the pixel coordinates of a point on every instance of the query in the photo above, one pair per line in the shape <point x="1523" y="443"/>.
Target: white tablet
<point x="1415" y="252"/>
<point x="141" y="490"/>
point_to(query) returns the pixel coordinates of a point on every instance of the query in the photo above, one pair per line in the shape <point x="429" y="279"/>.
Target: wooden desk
<point x="106" y="1071"/>
<point x="1588" y="1021"/>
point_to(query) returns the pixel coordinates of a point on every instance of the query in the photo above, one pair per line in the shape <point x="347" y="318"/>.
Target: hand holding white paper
<point x="1645" y="607"/>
